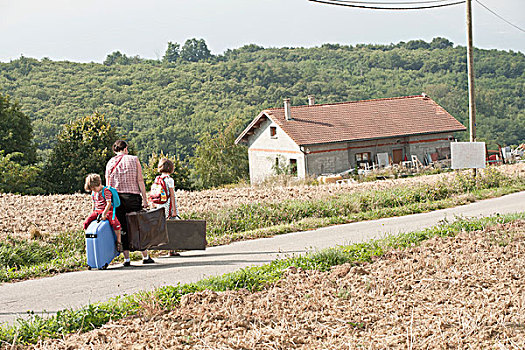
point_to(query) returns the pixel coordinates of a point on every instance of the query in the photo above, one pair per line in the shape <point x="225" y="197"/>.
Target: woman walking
<point x="124" y="173"/>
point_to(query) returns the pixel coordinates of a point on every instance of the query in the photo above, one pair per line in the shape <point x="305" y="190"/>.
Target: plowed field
<point x="20" y="215"/>
<point x="465" y="292"/>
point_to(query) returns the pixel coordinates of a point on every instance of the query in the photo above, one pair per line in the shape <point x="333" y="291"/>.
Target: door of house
<point x="397" y="154"/>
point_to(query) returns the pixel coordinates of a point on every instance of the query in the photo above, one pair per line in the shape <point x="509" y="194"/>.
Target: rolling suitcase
<point x="146" y="228"/>
<point x="100" y="244"/>
<point x="185" y="235"/>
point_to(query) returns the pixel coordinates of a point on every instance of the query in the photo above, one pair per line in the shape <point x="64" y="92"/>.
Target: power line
<point x="331" y="2"/>
<point x="391" y="3"/>
<point x="503" y="19"/>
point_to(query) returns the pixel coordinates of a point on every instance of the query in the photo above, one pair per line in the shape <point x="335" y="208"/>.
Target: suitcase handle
<point x="91" y="235"/>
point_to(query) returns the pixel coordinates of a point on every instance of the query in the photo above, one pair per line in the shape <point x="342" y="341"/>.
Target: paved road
<point x="77" y="289"/>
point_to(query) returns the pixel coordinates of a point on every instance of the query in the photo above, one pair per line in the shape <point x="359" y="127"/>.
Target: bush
<point x="17" y="178"/>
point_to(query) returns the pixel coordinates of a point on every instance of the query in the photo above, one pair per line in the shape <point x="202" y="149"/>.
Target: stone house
<point x="318" y="139"/>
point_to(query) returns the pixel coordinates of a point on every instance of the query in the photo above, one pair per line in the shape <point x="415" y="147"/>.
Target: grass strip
<point x="251" y="278"/>
<point x="263" y="219"/>
<point x="22" y="259"/>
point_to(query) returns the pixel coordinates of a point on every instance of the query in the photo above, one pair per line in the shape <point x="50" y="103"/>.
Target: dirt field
<point x="22" y="215"/>
<point x="466" y="292"/>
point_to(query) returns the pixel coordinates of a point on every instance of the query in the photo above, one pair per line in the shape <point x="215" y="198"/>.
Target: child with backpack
<point x="162" y="192"/>
<point x="102" y="209"/>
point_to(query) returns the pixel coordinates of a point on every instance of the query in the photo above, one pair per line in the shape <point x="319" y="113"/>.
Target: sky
<point x="87" y="31"/>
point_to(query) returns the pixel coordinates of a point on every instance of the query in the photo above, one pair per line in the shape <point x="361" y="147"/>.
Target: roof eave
<point x="245" y="132"/>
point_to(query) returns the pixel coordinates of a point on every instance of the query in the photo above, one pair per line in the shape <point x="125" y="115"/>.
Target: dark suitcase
<point x="185" y="235"/>
<point x="146" y="228"/>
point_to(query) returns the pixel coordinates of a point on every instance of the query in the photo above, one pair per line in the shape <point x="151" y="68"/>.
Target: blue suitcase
<point x="101" y="246"/>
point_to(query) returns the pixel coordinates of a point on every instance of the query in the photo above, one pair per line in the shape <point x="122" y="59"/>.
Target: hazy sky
<point x="88" y="30"/>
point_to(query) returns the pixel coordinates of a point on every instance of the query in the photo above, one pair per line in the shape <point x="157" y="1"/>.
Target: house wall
<point x="339" y="157"/>
<point x="327" y="159"/>
<point x="263" y="149"/>
<point x="433" y="143"/>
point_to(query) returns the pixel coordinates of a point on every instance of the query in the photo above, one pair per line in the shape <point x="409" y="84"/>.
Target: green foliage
<point x="164" y="107"/>
<point x="17" y="178"/>
<point x="181" y="173"/>
<point x="218" y="161"/>
<point x="119" y="58"/>
<point x="84" y="146"/>
<point x="21" y="259"/>
<point x="172" y="53"/>
<point x="16" y="132"/>
<point x="195" y="50"/>
<point x="440" y="43"/>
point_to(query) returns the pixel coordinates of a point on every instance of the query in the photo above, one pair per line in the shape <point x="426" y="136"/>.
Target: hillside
<point x="164" y="106"/>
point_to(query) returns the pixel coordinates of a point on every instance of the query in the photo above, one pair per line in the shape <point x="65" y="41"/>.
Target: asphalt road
<point x="77" y="289"/>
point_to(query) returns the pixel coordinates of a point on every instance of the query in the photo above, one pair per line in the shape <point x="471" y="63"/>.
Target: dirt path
<point x="461" y="292"/>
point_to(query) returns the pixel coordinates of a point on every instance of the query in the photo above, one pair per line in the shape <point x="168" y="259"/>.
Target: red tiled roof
<point x="362" y="120"/>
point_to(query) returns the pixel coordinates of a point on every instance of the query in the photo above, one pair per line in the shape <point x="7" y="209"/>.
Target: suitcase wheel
<point x="89" y="267"/>
<point x="104" y="267"/>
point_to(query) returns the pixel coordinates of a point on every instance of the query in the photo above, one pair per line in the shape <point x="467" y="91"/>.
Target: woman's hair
<point x="165" y="166"/>
<point x="119" y="145"/>
<point x="92" y="181"/>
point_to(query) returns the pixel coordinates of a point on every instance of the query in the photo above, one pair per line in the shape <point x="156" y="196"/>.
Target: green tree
<point x="195" y="50"/>
<point x="440" y="43"/>
<point x="17" y="178"/>
<point x="16" y="132"/>
<point x="180" y="175"/>
<point x="218" y="161"/>
<point x="172" y="52"/>
<point x="84" y="146"/>
<point x="416" y="44"/>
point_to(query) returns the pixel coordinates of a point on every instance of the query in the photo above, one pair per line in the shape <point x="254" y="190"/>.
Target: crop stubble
<point x="461" y="292"/>
<point x="21" y="215"/>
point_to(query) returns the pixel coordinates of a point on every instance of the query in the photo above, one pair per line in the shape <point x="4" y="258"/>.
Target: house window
<point x="362" y="158"/>
<point x="293" y="167"/>
<point x="273" y="131"/>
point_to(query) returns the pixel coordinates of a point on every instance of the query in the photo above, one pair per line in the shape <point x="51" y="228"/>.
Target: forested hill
<point x="165" y="104"/>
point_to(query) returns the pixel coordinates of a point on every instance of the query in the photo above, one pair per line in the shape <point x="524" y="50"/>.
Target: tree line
<point x="176" y="104"/>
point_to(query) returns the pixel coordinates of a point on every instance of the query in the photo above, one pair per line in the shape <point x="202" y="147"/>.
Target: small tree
<point x="218" y="161"/>
<point x="181" y="173"/>
<point x="16" y="132"/>
<point x="172" y="53"/>
<point x="16" y="178"/>
<point x="84" y="146"/>
<point x="195" y="50"/>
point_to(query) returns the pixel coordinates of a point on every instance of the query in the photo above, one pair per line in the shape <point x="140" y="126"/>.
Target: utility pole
<point x="470" y="69"/>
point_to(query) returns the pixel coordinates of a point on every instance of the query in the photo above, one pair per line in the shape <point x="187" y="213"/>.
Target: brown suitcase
<point x="146" y="228"/>
<point x="185" y="235"/>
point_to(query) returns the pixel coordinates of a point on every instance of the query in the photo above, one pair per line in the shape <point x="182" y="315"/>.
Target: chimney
<point x="311" y="100"/>
<point x="287" y="111"/>
<point x="425" y="96"/>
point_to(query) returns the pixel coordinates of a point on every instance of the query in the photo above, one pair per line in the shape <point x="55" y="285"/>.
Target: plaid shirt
<point x="124" y="177"/>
